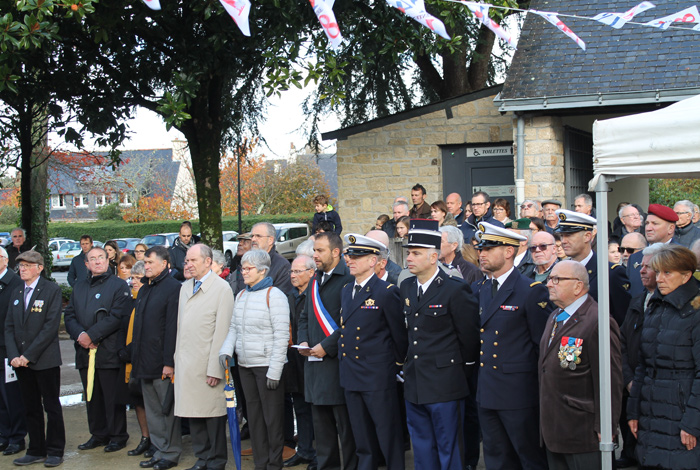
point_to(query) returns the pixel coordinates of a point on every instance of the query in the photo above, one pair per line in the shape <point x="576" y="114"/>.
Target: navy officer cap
<point x="359" y="245"/>
<point x="570" y="222"/>
<point x="489" y="236"/>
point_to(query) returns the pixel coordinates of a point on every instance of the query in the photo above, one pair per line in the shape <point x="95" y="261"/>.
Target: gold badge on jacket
<point x="570" y="352"/>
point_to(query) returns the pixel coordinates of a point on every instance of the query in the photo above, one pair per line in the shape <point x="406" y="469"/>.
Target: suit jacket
<point x="443" y="339"/>
<point x="322" y="378"/>
<point x="372" y="336"/>
<point x="8" y="284"/>
<point x="619" y="288"/>
<point x="394" y="271"/>
<point x="33" y="332"/>
<point x="511" y="327"/>
<point x="570" y="399"/>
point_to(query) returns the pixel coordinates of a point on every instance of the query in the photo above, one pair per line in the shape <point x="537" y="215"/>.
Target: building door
<point x="467" y="169"/>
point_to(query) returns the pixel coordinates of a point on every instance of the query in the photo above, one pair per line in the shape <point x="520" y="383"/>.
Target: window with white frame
<point x="58" y="201"/>
<point x="102" y="199"/>
<point x="80" y="200"/>
<point x="126" y="200"/>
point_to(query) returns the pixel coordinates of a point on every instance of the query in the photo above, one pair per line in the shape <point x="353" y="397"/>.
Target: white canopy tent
<point x="658" y="144"/>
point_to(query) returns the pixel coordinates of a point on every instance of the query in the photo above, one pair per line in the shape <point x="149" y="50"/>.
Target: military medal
<point x="570" y="352"/>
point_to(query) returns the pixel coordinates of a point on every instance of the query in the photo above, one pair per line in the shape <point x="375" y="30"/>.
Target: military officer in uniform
<point x="443" y="343"/>
<point x="576" y="231"/>
<point x="372" y="344"/>
<point x="513" y="312"/>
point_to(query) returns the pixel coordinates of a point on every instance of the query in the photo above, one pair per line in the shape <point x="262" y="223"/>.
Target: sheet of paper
<point x="300" y="347"/>
<point x="10" y="375"/>
<point x="315" y="359"/>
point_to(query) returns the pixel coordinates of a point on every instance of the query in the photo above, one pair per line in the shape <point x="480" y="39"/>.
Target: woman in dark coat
<point x="664" y="404"/>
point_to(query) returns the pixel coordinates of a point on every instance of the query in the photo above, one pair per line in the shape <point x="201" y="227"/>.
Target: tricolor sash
<point x="324" y="318"/>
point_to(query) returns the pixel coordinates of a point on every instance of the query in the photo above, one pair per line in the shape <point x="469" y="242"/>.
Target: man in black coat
<point x="481" y="212"/>
<point x="264" y="235"/>
<point x="19" y="245"/>
<point x="78" y="270"/>
<point x="319" y="331"/>
<point x="93" y="318"/>
<point x="152" y="349"/>
<point x="12" y="424"/>
<point x="177" y="252"/>
<point x="31" y="335"/>
<point x="443" y="343"/>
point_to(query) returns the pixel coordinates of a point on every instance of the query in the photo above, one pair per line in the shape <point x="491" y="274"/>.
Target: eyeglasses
<point x="245" y="270"/>
<point x="628" y="249"/>
<point x="556" y="279"/>
<point x="97" y="258"/>
<point x="635" y="216"/>
<point x="27" y="265"/>
<point x="542" y="247"/>
<point x="139" y="251"/>
<point x="260" y="236"/>
<point x="296" y="272"/>
<point x="682" y="213"/>
<point x="526" y="206"/>
<point x="498" y="209"/>
<point x="477" y="204"/>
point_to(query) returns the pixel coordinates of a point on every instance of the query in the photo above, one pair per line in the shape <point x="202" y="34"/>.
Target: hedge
<point x="105" y="229"/>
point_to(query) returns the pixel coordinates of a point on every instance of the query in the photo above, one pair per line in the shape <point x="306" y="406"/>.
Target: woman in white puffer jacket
<point x="259" y="335"/>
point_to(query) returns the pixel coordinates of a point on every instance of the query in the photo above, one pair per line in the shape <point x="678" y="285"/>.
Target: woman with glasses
<point x="664" y="404"/>
<point x="259" y="335"/>
<point x="501" y="210"/>
<point x="140" y="251"/>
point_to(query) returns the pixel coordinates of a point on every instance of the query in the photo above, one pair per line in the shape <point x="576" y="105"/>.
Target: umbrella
<point x="92" y="355"/>
<point x="229" y="392"/>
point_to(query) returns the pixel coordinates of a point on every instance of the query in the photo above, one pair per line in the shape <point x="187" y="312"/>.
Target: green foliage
<point x="104" y="230"/>
<point x="66" y="292"/>
<point x="670" y="191"/>
<point x="9" y="215"/>
<point x="109" y="212"/>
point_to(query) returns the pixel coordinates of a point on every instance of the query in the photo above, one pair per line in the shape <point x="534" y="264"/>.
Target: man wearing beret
<point x="576" y="231"/>
<point x="31" y="335"/>
<point x="371" y="346"/>
<point x="659" y="227"/>
<point x="513" y="312"/>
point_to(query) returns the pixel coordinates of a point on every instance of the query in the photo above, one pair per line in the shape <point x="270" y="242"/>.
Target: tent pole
<point x="607" y="447"/>
<point x="520" y="161"/>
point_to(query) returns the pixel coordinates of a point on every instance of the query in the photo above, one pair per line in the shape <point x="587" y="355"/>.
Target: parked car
<point x="162" y="239"/>
<point x="289" y="237"/>
<point x="126" y="245"/>
<point x="65" y="255"/>
<point x="5" y="239"/>
<point x="55" y="244"/>
<point x="230" y="245"/>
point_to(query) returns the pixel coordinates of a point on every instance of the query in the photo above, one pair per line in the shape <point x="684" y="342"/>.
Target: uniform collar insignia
<point x="408" y="304"/>
<point x="542" y="304"/>
<point x="636" y="265"/>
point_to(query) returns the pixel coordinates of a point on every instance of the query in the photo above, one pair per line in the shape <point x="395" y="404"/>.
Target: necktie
<point x="197" y="285"/>
<point x="324" y="278"/>
<point x="563" y="316"/>
<point x="27" y="296"/>
<point x="420" y="292"/>
<point x="357" y="289"/>
<point x="494" y="287"/>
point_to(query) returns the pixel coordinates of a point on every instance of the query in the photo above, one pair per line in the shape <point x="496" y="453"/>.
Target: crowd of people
<point x="484" y="335"/>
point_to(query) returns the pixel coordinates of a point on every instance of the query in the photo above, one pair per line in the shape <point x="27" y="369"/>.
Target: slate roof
<point x="632" y="59"/>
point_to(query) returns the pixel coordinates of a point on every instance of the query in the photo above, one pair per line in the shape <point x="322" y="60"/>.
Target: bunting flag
<point x="618" y="20"/>
<point x="416" y="10"/>
<point x="239" y="10"/>
<point x="325" y="15"/>
<point x="689" y="15"/>
<point x="152" y="4"/>
<point x="554" y="19"/>
<point x="481" y="12"/>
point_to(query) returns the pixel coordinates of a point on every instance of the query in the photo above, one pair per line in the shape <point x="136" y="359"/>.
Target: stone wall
<point x="377" y="165"/>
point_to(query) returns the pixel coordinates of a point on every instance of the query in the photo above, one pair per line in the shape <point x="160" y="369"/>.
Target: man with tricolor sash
<point x="319" y="331"/>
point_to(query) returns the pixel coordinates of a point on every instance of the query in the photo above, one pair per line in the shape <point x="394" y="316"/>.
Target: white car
<point x="289" y="237"/>
<point x="65" y="255"/>
<point x="55" y="244"/>
<point x="230" y="245"/>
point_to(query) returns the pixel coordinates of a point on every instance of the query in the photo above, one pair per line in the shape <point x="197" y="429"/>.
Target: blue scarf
<point x="265" y="283"/>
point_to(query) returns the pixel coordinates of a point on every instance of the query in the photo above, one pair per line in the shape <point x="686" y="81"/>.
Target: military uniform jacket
<point x="443" y="338"/>
<point x="8" y="284"/>
<point x="104" y="291"/>
<point x="511" y="328"/>
<point x="570" y="399"/>
<point x="33" y="332"/>
<point x="619" y="288"/>
<point x="372" y="336"/>
<point x="322" y="378"/>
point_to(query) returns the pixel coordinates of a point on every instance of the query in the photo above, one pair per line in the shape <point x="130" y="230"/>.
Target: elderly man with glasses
<point x="543" y="250"/>
<point x="631" y="244"/>
<point x="686" y="232"/>
<point x="631" y="219"/>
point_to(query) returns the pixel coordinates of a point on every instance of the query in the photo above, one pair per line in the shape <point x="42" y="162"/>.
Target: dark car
<point x="162" y="239"/>
<point x="126" y="245"/>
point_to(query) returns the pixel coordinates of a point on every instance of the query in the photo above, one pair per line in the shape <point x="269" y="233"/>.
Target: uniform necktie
<point x="561" y="318"/>
<point x="357" y="289"/>
<point x="420" y="292"/>
<point x="494" y="287"/>
<point x="197" y="285"/>
<point x="27" y="296"/>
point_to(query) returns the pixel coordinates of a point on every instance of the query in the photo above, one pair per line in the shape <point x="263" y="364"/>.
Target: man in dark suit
<point x="569" y="367"/>
<point x="442" y="321"/>
<point x="93" y="317"/>
<point x="513" y="313"/>
<point x="576" y="231"/>
<point x="31" y="335"/>
<point x="19" y="245"/>
<point x="319" y="330"/>
<point x="78" y="270"/>
<point x="372" y="342"/>
<point x="12" y="424"/>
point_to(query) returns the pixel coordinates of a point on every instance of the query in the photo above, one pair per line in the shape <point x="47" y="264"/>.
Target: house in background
<point x="79" y="184"/>
<point x="532" y="136"/>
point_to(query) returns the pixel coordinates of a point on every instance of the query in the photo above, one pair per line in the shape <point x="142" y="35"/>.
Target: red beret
<point x="663" y="212"/>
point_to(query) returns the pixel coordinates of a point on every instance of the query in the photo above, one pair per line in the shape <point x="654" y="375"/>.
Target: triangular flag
<point x="618" y="20"/>
<point x="325" y="15"/>
<point x="152" y="4"/>
<point x="554" y="19"/>
<point x="416" y="10"/>
<point x="481" y="12"/>
<point x="239" y="10"/>
<point x="689" y="15"/>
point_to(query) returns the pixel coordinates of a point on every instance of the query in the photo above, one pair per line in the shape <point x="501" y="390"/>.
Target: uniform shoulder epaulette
<point x="345" y="284"/>
<point x="390" y="286"/>
<point x="535" y="283"/>
<point x="615" y="266"/>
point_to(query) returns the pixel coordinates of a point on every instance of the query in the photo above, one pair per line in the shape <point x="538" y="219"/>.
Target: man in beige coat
<point x="206" y="305"/>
